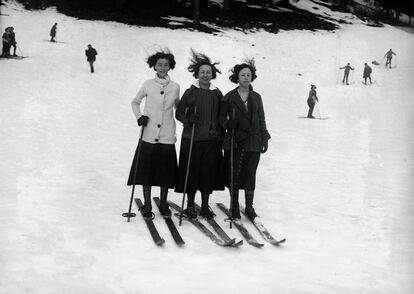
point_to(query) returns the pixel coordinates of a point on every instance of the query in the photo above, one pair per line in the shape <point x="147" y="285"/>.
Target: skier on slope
<point x="91" y="56"/>
<point x="53" y="32"/>
<point x="367" y="73"/>
<point x="199" y="106"/>
<point x="389" y="55"/>
<point x="157" y="161"/>
<point x="312" y="99"/>
<point x="250" y="135"/>
<point x="346" y="73"/>
<point x="6" y="38"/>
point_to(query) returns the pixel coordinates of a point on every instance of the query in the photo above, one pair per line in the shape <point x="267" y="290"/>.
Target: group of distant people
<point x="366" y="75"/>
<point x="9" y="40"/>
<point x="367" y="69"/>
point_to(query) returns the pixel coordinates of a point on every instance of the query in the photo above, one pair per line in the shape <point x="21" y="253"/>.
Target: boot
<point x="164" y="207"/>
<point x="249" y="211"/>
<point x="235" y="210"/>
<point x="147" y="209"/>
<point x="205" y="209"/>
<point x="190" y="212"/>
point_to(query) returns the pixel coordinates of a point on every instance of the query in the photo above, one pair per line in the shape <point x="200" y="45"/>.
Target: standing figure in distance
<point x="389" y="55"/>
<point x="53" y="32"/>
<point x="346" y="73"/>
<point x="199" y="106"/>
<point x="6" y="43"/>
<point x="312" y="99"/>
<point x="367" y="73"/>
<point x="157" y="161"/>
<point x="250" y="136"/>
<point x="91" y="56"/>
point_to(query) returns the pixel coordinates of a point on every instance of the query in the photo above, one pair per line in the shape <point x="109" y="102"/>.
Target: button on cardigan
<point x="162" y="96"/>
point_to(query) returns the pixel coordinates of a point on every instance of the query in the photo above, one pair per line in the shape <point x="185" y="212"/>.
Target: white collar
<point x="196" y="83"/>
<point x="164" y="81"/>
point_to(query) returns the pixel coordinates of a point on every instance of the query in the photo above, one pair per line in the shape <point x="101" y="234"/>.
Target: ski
<point x="150" y="224"/>
<point x="171" y="226"/>
<point x="203" y="228"/>
<point x="219" y="230"/>
<point x="264" y="232"/>
<point x="242" y="229"/>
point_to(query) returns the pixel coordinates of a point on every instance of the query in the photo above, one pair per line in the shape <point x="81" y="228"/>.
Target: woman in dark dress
<point x="250" y="135"/>
<point x="199" y="106"/>
<point x="157" y="162"/>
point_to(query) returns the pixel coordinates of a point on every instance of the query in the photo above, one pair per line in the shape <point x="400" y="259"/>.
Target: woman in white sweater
<point x="157" y="161"/>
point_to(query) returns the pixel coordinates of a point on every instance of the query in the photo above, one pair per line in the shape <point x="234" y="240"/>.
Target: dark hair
<point x="249" y="63"/>
<point x="199" y="59"/>
<point x="152" y="60"/>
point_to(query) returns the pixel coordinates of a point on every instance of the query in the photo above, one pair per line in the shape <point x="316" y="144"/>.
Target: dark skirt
<point x="204" y="172"/>
<point x="245" y="166"/>
<point x="157" y="165"/>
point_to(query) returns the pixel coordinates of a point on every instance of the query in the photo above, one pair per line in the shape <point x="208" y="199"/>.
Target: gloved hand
<point x="143" y="120"/>
<point x="192" y="119"/>
<point x="232" y="124"/>
<point x="264" y="146"/>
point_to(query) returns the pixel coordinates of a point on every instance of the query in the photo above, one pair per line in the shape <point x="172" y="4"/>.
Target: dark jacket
<point x="312" y="96"/>
<point x="367" y="71"/>
<point x="251" y="130"/>
<point x="53" y="31"/>
<point x="91" y="54"/>
<point x="208" y="104"/>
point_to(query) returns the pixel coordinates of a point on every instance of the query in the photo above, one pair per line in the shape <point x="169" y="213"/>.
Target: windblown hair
<point x="248" y="63"/>
<point x="199" y="59"/>
<point x="152" y="59"/>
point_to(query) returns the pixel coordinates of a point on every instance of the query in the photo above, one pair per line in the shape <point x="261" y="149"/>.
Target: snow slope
<point x="339" y="189"/>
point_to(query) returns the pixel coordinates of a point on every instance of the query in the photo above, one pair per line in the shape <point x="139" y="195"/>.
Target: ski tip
<point x="160" y="242"/>
<point x="278" y="242"/>
<point x="238" y="244"/>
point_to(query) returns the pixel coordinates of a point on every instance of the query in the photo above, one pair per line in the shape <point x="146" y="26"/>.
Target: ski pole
<point x="129" y="214"/>
<point x="21" y="53"/>
<point x="337" y="77"/>
<point x="317" y="108"/>
<point x="232" y="170"/>
<point x="188" y="166"/>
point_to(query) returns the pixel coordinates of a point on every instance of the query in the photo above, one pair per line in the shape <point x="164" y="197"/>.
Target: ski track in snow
<point x="340" y="189"/>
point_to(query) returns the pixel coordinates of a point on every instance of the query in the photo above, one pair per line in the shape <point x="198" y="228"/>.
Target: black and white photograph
<point x="207" y="147"/>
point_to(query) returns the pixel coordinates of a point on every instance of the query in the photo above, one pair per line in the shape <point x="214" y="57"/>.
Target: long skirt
<point x="157" y="165"/>
<point x="244" y="169"/>
<point x="204" y="172"/>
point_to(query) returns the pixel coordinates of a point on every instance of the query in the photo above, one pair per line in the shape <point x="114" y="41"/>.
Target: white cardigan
<point x="162" y="96"/>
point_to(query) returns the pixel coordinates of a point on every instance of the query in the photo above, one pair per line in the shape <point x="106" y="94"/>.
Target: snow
<point x="340" y="189"/>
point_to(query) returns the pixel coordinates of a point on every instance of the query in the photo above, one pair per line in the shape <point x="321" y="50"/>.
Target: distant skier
<point x="346" y="73"/>
<point x="13" y="42"/>
<point x="312" y="99"/>
<point x="157" y="161"/>
<point x="367" y="74"/>
<point x="91" y="56"/>
<point x="53" y="32"/>
<point x="389" y="55"/>
<point x="6" y="43"/>
<point x="250" y="136"/>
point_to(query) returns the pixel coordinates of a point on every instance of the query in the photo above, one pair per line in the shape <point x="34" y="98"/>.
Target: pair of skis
<point x="159" y="241"/>
<point x="246" y="234"/>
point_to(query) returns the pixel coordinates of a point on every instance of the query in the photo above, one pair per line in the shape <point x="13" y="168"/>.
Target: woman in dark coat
<point x="312" y="99"/>
<point x="157" y="162"/>
<point x="250" y="135"/>
<point x="199" y="106"/>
